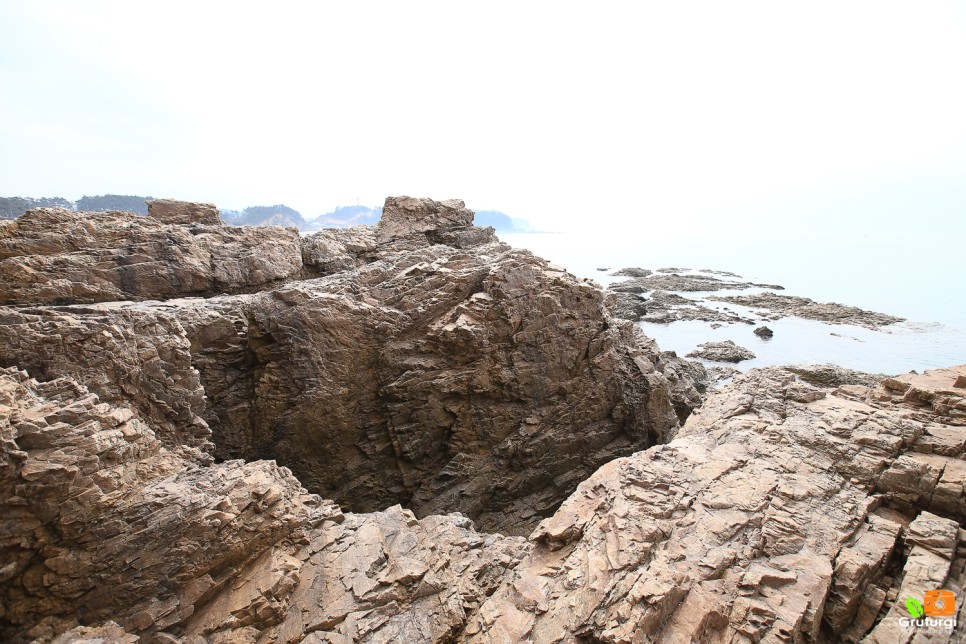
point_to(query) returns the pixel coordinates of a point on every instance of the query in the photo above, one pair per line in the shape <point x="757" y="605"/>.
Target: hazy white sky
<point x="635" y="114"/>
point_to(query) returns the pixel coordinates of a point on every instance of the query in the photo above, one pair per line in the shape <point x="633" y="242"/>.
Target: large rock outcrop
<point x="429" y="365"/>
<point x="56" y="256"/>
<point x="781" y="512"/>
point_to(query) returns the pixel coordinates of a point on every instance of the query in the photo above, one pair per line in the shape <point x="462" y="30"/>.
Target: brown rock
<point x="403" y="216"/>
<point x="431" y="365"/>
<point x="171" y="211"/>
<point x="105" y="256"/>
<point x="779" y="306"/>
<point x="762" y="520"/>
<point x="101" y="521"/>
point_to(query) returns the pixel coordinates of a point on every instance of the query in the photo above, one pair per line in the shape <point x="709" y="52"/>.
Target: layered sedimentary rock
<point x="781" y="512"/>
<point x="102" y="522"/>
<point x="430" y="364"/>
<point x="779" y="306"/>
<point x="56" y="256"/>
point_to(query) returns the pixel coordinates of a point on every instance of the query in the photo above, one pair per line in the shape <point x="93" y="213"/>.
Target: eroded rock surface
<point x="55" y="256"/>
<point x="779" y="306"/>
<point x="102" y="522"/>
<point x="781" y="512"/>
<point x="725" y="351"/>
<point x="429" y="364"/>
<point x="667" y="279"/>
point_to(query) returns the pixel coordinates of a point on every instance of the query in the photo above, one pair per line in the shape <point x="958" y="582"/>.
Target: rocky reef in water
<point x="414" y="432"/>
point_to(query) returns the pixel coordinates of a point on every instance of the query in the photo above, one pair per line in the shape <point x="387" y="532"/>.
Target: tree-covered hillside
<point x="127" y="203"/>
<point x="13" y="207"/>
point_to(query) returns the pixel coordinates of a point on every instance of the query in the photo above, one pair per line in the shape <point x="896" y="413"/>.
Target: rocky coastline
<point x="414" y="432"/>
<point x="655" y="296"/>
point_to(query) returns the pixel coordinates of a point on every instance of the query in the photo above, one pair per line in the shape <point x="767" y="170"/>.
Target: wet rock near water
<point x="778" y="306"/>
<point x="662" y="307"/>
<point x="726" y="351"/>
<point x="764" y="332"/>
<point x="632" y="272"/>
<point x="683" y="283"/>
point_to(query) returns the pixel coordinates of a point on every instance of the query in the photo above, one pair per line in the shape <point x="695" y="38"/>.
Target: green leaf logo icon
<point x="915" y="608"/>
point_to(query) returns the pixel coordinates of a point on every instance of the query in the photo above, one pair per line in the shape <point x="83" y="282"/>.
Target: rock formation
<point x="764" y="332"/>
<point x="430" y="365"/>
<point x="667" y="280"/>
<point x="781" y="512"/>
<point x="778" y="306"/>
<point x="725" y="351"/>
<point x="56" y="256"/>
<point x="148" y="449"/>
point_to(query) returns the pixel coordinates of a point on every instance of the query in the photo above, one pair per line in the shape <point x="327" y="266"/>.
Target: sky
<point x="637" y="116"/>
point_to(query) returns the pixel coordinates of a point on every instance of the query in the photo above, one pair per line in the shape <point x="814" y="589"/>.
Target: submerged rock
<point x="672" y="281"/>
<point x="632" y="271"/>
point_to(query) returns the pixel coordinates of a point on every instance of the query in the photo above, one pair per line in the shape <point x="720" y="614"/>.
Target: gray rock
<point x="779" y="306"/>
<point x="764" y="332"/>
<point x="632" y="272"/>
<point x="726" y="351"/>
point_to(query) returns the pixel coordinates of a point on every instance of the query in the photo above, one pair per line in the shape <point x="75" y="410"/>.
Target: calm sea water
<point x="918" y="278"/>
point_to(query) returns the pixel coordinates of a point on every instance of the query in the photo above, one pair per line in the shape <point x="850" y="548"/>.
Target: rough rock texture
<point x="830" y="375"/>
<point x="429" y="365"/>
<point x="137" y="356"/>
<point x="672" y="281"/>
<point x="631" y="271"/>
<point x="101" y="521"/>
<point x="104" y="256"/>
<point x="171" y="211"/>
<point x="779" y="306"/>
<point x="764" y="332"/>
<point x="662" y="307"/>
<point x="404" y="216"/>
<point x="726" y="351"/>
<point x="433" y="365"/>
<point x="378" y="577"/>
<point x="781" y="512"/>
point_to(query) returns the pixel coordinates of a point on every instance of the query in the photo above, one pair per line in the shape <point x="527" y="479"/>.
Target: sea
<point x="921" y="278"/>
